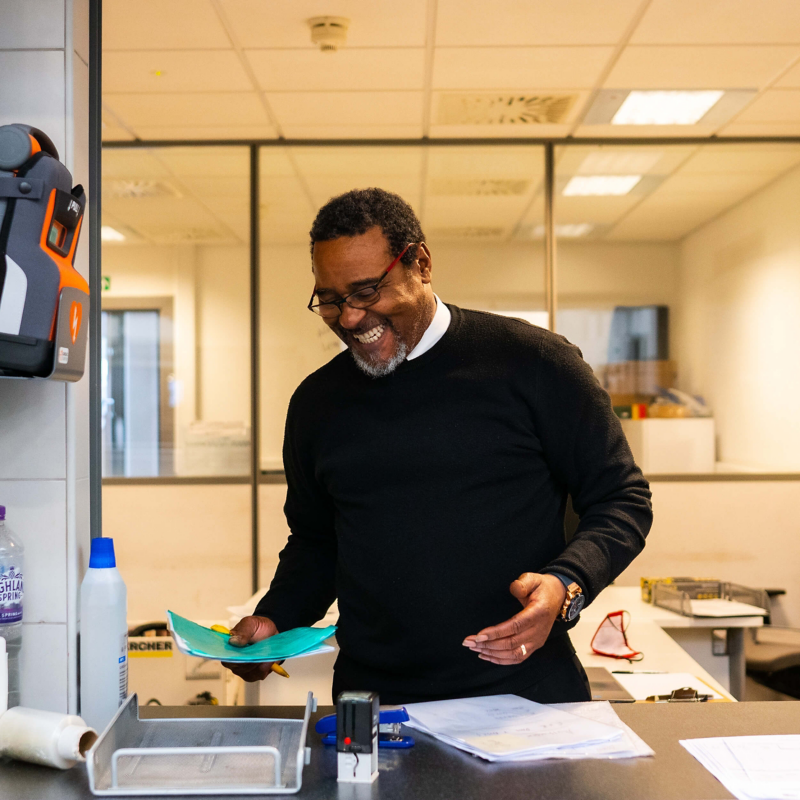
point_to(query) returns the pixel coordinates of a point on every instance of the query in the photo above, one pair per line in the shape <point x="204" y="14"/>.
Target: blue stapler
<point x="388" y="731"/>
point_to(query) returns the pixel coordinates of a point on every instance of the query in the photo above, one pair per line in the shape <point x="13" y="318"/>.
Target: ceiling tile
<point x="186" y="110"/>
<point x="275" y="162"/>
<point x="324" y="188"/>
<point x="619" y="159"/>
<point x="362" y="69"/>
<point x="518" y="67"/>
<point x="735" y="185"/>
<point x="719" y="22"/>
<point x="445" y="212"/>
<point x="113" y="133"/>
<point x="547" y="22"/>
<point x="293" y="231"/>
<point x="135" y="164"/>
<point x="669" y="218"/>
<point x="776" y="105"/>
<point x="206" y="162"/>
<point x="159" y="25"/>
<point x="346" y="108"/>
<point x="765" y="159"/>
<point x="499" y="131"/>
<point x="353" y="131"/>
<point x="486" y="162"/>
<point x="791" y="80"/>
<point x="160" y="212"/>
<point x="181" y="71"/>
<point x="203" y="132"/>
<point x="657" y="67"/>
<point x="597" y="210"/>
<point x="213" y="190"/>
<point x="761" y="129"/>
<point x="280" y="24"/>
<point x="623" y="132"/>
<point x="347" y="161"/>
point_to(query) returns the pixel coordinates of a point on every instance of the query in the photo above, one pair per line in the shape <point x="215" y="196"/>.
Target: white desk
<point x="669" y="641"/>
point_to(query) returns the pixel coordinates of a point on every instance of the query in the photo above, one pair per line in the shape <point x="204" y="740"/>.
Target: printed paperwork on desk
<point x="510" y="728"/>
<point x="752" y="767"/>
<point x="197" y="640"/>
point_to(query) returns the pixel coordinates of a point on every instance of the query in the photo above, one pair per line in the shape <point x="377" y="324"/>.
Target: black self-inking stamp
<point x="357" y="715"/>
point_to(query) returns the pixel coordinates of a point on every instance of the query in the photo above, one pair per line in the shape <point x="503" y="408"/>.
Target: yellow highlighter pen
<point x="276" y="668"/>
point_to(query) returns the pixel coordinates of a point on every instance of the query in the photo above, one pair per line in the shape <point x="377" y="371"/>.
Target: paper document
<point x="752" y="767"/>
<point x="510" y="728"/>
<point x="197" y="640"/>
<point x="717" y="607"/>
<point x="645" y="684"/>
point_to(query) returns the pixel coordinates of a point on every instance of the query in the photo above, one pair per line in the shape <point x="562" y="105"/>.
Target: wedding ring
<point x="524" y="651"/>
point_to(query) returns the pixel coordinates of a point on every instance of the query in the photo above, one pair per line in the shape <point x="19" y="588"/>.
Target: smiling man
<point x="427" y="472"/>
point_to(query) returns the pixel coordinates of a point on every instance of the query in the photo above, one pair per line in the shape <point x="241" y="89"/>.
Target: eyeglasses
<point x="360" y="299"/>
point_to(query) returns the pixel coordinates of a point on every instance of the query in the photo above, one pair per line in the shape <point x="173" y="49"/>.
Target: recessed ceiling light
<point x="665" y="107"/>
<point x="585" y="185"/>
<point x="620" y="162"/>
<point x="109" y="234"/>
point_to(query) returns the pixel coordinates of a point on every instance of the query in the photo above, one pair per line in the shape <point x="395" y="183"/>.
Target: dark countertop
<point x="434" y="771"/>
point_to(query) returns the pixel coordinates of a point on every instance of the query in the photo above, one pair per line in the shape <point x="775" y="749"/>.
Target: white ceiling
<point x="247" y="68"/>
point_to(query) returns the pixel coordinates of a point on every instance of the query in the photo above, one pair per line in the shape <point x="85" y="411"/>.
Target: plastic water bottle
<point x="104" y="637"/>
<point x="11" y="575"/>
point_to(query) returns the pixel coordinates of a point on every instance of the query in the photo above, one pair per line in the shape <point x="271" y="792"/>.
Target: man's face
<point x="380" y="336"/>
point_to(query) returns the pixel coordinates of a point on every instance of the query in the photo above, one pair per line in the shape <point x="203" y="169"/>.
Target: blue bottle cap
<point x="102" y="556"/>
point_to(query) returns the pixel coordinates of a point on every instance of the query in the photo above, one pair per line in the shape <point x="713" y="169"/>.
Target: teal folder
<point x="197" y="640"/>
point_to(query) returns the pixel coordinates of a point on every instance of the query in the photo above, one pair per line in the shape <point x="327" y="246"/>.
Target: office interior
<point x="225" y="128"/>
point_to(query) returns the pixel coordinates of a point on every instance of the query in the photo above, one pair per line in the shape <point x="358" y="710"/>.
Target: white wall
<point x="740" y="531"/>
<point x="44" y="429"/>
<point x="181" y="547"/>
<point x="739" y="326"/>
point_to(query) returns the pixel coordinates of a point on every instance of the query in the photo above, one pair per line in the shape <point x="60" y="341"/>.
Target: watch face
<point x="575" y="607"/>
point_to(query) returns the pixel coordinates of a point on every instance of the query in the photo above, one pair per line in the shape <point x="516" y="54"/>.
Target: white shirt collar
<point x="438" y="327"/>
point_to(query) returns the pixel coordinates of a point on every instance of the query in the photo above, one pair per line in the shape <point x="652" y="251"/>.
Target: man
<point x="427" y="475"/>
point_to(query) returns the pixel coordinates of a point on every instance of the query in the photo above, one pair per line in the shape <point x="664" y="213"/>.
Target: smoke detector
<point x="330" y="33"/>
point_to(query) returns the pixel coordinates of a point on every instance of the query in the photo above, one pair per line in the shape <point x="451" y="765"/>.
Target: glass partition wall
<point x="176" y="376"/>
<point x="481" y="209"/>
<point x="674" y="273"/>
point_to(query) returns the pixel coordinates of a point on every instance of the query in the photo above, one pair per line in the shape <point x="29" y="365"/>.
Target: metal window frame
<point x="258" y="476"/>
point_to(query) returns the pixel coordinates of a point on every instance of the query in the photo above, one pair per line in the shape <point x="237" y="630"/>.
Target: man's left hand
<point x="512" y="641"/>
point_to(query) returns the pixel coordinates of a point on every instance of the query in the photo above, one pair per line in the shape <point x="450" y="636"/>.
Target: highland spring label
<point x="10" y="596"/>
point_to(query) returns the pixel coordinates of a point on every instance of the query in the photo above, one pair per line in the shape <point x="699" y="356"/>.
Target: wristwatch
<point x="573" y="603"/>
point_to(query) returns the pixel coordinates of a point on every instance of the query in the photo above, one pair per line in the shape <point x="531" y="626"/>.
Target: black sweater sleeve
<point x="588" y="453"/>
<point x="304" y="585"/>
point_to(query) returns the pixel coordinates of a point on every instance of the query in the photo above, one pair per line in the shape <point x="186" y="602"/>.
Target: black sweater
<point x="417" y="498"/>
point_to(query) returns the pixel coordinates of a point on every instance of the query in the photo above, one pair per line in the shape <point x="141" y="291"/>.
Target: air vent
<point x="468" y="232"/>
<point x="479" y="187"/>
<point x="139" y="190"/>
<point x="494" y="109"/>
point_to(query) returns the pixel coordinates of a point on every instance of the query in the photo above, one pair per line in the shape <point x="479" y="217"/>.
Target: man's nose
<point x="351" y="317"/>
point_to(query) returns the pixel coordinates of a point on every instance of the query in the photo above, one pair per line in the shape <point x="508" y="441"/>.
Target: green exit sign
<point x="106" y="283"/>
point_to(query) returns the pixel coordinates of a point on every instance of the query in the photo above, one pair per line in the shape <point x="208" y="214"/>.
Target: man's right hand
<point x="248" y="631"/>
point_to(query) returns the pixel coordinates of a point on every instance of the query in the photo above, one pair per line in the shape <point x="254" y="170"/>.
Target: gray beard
<point x="379" y="369"/>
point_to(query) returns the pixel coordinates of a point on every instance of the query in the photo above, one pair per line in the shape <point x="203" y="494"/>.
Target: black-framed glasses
<point x="360" y="299"/>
